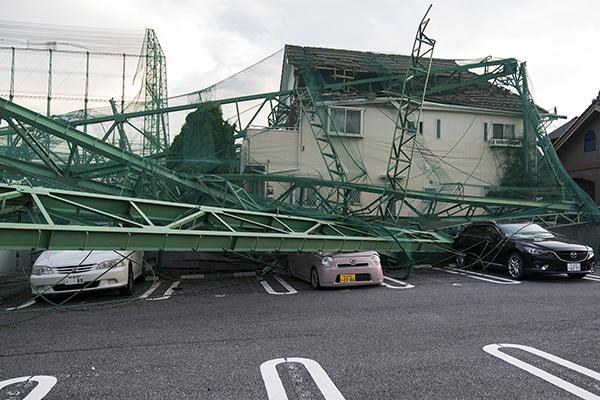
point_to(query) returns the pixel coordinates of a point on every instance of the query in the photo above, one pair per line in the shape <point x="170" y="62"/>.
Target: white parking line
<point x="44" y="384"/>
<point x="287" y="286"/>
<point x="402" y="284"/>
<point x="192" y="276"/>
<point x="274" y="386"/>
<point x="494" y="349"/>
<point x="592" y="278"/>
<point x="167" y="293"/>
<point x="26" y="304"/>
<point x="479" y="276"/>
<point x="152" y="288"/>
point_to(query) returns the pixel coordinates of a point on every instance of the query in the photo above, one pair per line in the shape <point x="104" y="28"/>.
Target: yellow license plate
<point x="347" y="278"/>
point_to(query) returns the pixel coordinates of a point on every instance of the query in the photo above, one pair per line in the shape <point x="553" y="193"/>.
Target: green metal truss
<point x="410" y="105"/>
<point x="317" y="115"/>
<point x="442" y="208"/>
<point x="127" y="172"/>
<point x="156" y="127"/>
<point x="38" y="218"/>
<point x="91" y="164"/>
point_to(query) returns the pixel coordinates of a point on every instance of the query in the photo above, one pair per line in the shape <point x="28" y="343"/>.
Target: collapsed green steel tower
<point x="62" y="154"/>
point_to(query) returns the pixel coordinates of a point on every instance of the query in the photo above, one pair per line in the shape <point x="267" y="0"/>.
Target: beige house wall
<point x="460" y="155"/>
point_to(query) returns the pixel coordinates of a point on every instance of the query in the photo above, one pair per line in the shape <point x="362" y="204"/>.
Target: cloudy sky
<point x="210" y="39"/>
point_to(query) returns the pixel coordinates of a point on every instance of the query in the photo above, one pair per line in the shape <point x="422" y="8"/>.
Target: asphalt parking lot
<point x="434" y="336"/>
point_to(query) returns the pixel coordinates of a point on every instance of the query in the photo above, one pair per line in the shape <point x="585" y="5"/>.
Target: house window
<point x="503" y="131"/>
<point x="485" y="131"/>
<point x="589" y="142"/>
<point x="438" y="129"/>
<point x="346" y="121"/>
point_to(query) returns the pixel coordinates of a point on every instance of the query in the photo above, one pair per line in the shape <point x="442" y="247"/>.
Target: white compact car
<point x="64" y="271"/>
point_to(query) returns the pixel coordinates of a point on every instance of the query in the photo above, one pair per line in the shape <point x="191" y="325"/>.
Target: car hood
<point x="65" y="258"/>
<point x="556" y="244"/>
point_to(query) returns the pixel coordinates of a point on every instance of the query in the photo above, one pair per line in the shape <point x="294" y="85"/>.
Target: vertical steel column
<point x="87" y="88"/>
<point x="49" y="82"/>
<point x="12" y="75"/>
<point x="123" y="85"/>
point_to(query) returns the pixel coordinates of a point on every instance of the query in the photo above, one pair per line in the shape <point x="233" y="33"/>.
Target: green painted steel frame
<point x="38" y="218"/>
<point x="410" y="105"/>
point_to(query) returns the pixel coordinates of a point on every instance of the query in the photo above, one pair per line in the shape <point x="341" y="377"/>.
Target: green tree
<point x="205" y="143"/>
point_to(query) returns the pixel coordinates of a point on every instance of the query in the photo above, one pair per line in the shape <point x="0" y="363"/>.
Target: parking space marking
<point x="494" y="349"/>
<point x="479" y="276"/>
<point x="397" y="284"/>
<point x="152" y="288"/>
<point x="592" y="278"/>
<point x="287" y="286"/>
<point x="45" y="383"/>
<point x="168" y="293"/>
<point x="26" y="304"/>
<point x="192" y="276"/>
<point x="274" y="385"/>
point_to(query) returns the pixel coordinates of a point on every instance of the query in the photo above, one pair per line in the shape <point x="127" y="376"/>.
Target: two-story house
<point x="462" y="142"/>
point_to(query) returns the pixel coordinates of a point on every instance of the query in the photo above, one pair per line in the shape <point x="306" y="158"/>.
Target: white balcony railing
<point x="506" y="142"/>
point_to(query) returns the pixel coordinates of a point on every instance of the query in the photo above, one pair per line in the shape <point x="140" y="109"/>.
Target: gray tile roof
<point x="366" y="62"/>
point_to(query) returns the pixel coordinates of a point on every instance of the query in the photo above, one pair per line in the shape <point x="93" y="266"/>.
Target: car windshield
<point x="525" y="230"/>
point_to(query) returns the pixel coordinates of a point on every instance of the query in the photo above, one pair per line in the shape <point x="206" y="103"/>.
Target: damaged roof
<point x="348" y="63"/>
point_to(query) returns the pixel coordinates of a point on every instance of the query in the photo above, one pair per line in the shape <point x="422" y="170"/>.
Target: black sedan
<point x="521" y="248"/>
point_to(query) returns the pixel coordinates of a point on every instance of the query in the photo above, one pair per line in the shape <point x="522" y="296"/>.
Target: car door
<point x="475" y="240"/>
<point x="298" y="262"/>
<point x="491" y="246"/>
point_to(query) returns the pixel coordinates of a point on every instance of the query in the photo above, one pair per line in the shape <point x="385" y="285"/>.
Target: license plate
<point x="572" y="267"/>
<point x="73" y="280"/>
<point x="347" y="278"/>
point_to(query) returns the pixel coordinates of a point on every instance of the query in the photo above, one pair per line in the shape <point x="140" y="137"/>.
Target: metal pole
<point x="123" y="85"/>
<point x="12" y="75"/>
<point x="87" y="88"/>
<point x="49" y="82"/>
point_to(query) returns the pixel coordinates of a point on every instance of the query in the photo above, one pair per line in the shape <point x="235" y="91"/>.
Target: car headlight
<point x="42" y="270"/>
<point x="590" y="253"/>
<point x="375" y="259"/>
<point x="111" y="264"/>
<point x="327" y="261"/>
<point x="536" y="252"/>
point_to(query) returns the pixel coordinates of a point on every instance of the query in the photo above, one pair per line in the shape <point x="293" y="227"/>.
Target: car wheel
<point x="577" y="276"/>
<point x="314" y="278"/>
<point x="516" y="266"/>
<point x="127" y="290"/>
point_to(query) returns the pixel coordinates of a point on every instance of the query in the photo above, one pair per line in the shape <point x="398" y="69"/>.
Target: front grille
<point x="62" y="287"/>
<point x="71" y="269"/>
<point x="359" y="278"/>
<point x="567" y="256"/>
<point x="364" y="264"/>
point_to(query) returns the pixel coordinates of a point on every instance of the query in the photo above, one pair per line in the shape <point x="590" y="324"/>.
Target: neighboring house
<point x="576" y="143"/>
<point x="463" y="137"/>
